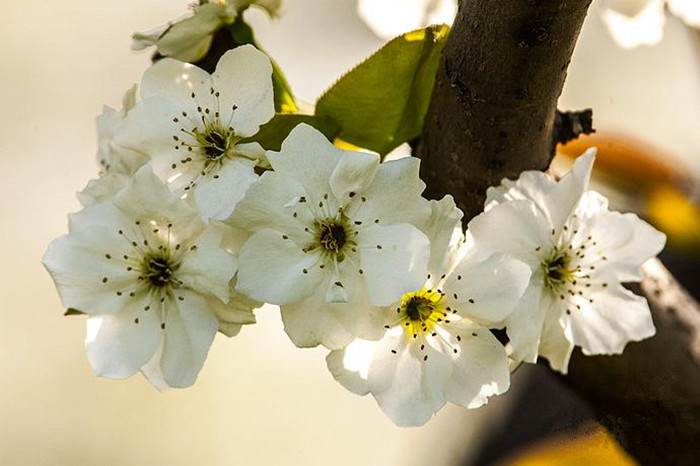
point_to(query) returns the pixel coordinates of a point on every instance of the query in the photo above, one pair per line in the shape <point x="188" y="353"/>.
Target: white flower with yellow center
<point x="191" y="125"/>
<point x="189" y="39"/>
<point x="580" y="253"/>
<point x="152" y="277"/>
<point x="329" y="225"/>
<point x="117" y="164"/>
<point x="437" y="347"/>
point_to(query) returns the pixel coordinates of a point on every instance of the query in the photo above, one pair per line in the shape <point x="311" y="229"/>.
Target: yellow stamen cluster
<point x="421" y="311"/>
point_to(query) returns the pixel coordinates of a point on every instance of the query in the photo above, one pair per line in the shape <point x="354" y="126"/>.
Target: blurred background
<point x="258" y="400"/>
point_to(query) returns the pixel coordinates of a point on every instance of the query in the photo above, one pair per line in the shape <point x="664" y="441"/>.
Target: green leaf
<point x="275" y="131"/>
<point x="73" y="312"/>
<point x="284" y="99"/>
<point x="381" y="103"/>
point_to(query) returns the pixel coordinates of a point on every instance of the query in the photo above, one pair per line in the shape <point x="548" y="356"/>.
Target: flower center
<point x="334" y="237"/>
<point x="331" y="236"/>
<point x="420" y="311"/>
<point x="159" y="270"/>
<point x="561" y="272"/>
<point x="214" y="144"/>
<point x="418" y="308"/>
<point x="557" y="269"/>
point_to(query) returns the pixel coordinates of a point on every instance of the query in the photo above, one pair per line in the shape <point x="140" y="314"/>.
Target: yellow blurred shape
<point x="596" y="447"/>
<point x="627" y="160"/>
<point x="340" y="144"/>
<point x="416" y="35"/>
<point x="675" y="215"/>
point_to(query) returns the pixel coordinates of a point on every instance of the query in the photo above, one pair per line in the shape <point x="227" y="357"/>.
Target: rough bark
<point x="492" y="115"/>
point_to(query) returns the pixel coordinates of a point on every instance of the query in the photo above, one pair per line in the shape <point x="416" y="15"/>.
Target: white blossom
<point x="328" y="225"/>
<point x="437" y="347"/>
<point x="580" y="253"/>
<point x="117" y="164"/>
<point x="641" y="22"/>
<point x="390" y="18"/>
<point x="192" y="124"/>
<point x="154" y="280"/>
<point x="190" y="38"/>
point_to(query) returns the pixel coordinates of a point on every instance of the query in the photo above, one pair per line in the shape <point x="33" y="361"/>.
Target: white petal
<point x="516" y="228"/>
<point x="687" y="10"/>
<point x="208" y="268"/>
<point x="554" y="345"/>
<point x="149" y="129"/>
<point x="102" y="189"/>
<point x="190" y="327"/>
<point x="626" y="241"/>
<point x="444" y="230"/>
<point x="394" y="260"/>
<point x="189" y="40"/>
<point x="119" y="344"/>
<point x="354" y="173"/>
<point x="86" y="279"/>
<point x="396" y="382"/>
<point x="350" y="365"/>
<point x="147" y="197"/>
<point x="390" y="18"/>
<point x="394" y="195"/>
<point x="480" y="370"/>
<point x="337" y="293"/>
<point x="251" y="150"/>
<point x="243" y="76"/>
<point x="103" y="214"/>
<point x="616" y="317"/>
<point x="271" y="269"/>
<point x="265" y="206"/>
<point x="175" y="81"/>
<point x="525" y="324"/>
<point x="130" y="98"/>
<point x="216" y="198"/>
<point x="531" y="184"/>
<point x="271" y="6"/>
<point x="307" y="157"/>
<point x="153" y="372"/>
<point x="634" y="22"/>
<point x="235" y="314"/>
<point x="488" y="290"/>
<point x="564" y="197"/>
<point x="143" y="40"/>
<point x="358" y="316"/>
<point x="313" y="321"/>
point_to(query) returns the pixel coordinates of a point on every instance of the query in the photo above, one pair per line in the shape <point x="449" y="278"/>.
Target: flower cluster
<point x="192" y="225"/>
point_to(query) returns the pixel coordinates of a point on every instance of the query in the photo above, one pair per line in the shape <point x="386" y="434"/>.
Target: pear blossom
<point x="328" y="225"/>
<point x="580" y="253"/>
<point x="437" y="346"/>
<point x="153" y="279"/>
<point x="641" y="22"/>
<point x="191" y="124"/>
<point x="390" y="18"/>
<point x="117" y="164"/>
<point x="189" y="39"/>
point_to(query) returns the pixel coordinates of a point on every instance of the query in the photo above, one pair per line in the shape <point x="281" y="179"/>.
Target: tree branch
<point x="492" y="115"/>
<point x="649" y="397"/>
<point x="493" y="107"/>
<point x="570" y="125"/>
